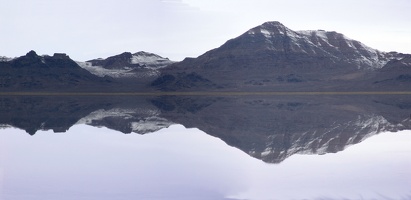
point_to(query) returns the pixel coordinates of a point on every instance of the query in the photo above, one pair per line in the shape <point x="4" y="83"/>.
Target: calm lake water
<point x="206" y="147"/>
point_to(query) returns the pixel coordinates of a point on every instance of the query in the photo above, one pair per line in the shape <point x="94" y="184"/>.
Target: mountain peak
<point x="61" y="56"/>
<point x="144" y="53"/>
<point x="126" y="55"/>
<point x="272" y="28"/>
<point x="150" y="60"/>
<point x="272" y="24"/>
<point x="332" y="45"/>
<point x="31" y="54"/>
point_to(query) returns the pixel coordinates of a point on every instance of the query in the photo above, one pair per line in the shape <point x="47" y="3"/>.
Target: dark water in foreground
<point x="205" y="147"/>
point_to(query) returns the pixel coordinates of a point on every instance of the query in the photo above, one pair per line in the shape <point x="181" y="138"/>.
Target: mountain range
<point x="269" y="57"/>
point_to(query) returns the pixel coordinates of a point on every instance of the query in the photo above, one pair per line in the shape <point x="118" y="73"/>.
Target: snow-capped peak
<point x="330" y="44"/>
<point x="150" y="60"/>
<point x="270" y="29"/>
<point x="141" y="65"/>
<point x="273" y="25"/>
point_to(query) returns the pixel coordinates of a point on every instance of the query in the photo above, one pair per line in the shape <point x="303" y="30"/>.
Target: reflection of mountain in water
<point x="59" y="113"/>
<point x="273" y="128"/>
<point x="270" y="128"/>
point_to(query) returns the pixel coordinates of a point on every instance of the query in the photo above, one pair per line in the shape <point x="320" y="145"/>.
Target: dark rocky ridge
<point x="115" y="62"/>
<point x="59" y="73"/>
<point x="48" y="73"/>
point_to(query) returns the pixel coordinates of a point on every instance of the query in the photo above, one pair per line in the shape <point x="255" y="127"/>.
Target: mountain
<point x="269" y="57"/>
<point x="125" y="72"/>
<point x="138" y="65"/>
<point x="272" y="56"/>
<point x="47" y="73"/>
<point x="396" y="73"/>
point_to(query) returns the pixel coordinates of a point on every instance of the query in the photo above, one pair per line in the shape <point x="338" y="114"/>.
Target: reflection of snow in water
<point x="141" y="120"/>
<point x="363" y="128"/>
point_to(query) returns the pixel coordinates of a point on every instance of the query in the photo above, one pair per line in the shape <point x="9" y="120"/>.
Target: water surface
<point x="205" y="147"/>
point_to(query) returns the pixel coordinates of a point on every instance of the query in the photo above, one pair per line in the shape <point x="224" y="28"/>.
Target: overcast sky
<point x="88" y="29"/>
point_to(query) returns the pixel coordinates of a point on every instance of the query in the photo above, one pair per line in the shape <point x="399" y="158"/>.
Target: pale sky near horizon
<point x="88" y="29"/>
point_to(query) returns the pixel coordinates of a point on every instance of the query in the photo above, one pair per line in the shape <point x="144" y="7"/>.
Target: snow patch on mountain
<point x="117" y="73"/>
<point x="150" y="60"/>
<point x="265" y="32"/>
<point x="101" y="71"/>
<point x="5" y="59"/>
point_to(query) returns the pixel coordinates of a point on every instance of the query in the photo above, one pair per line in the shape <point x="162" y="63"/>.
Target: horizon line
<point x="205" y="93"/>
